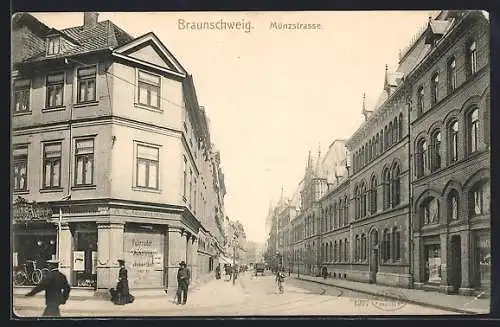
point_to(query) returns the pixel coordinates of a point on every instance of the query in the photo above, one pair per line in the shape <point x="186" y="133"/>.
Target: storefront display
<point x="84" y="260"/>
<point x="433" y="263"/>
<point x="144" y="257"/>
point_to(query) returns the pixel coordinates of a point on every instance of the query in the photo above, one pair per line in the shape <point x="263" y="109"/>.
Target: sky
<point x="274" y="95"/>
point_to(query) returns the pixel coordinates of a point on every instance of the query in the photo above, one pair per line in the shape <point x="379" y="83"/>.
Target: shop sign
<point x="23" y="211"/>
<point x="144" y="259"/>
<point x="79" y="260"/>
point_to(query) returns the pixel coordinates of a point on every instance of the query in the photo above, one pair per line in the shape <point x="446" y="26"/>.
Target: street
<point x="250" y="296"/>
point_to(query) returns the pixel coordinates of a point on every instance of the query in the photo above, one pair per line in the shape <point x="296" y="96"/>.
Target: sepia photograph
<point x="259" y="163"/>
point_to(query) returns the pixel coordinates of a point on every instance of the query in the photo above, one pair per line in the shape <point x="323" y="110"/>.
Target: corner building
<point x="108" y="134"/>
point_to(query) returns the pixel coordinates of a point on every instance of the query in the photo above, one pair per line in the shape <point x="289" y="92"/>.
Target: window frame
<point x="453" y="141"/>
<point x="17" y="161"/>
<point x="386" y="180"/>
<point x="435" y="88"/>
<point x="149" y="86"/>
<point x="420" y="100"/>
<point x="452" y="74"/>
<point x="21" y="89"/>
<point x="395" y="185"/>
<point x="53" y="85"/>
<point x="89" y="157"/>
<point x="148" y="163"/>
<point x="436" y="151"/>
<point x="473" y="131"/>
<point x="85" y="79"/>
<point x="472" y="58"/>
<point x="52" y="161"/>
<point x="52" y="39"/>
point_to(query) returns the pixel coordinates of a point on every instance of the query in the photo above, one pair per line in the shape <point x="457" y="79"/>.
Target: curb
<point x="424" y="304"/>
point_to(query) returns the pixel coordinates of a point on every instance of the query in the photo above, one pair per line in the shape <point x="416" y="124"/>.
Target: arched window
<point x="341" y="213"/>
<point x="400" y="126"/>
<point x="335" y="252"/>
<point x="420" y="100"/>
<point x="381" y="146"/>
<point x="396" y="236"/>
<point x="357" y="249"/>
<point x="346" y="210"/>
<point x="331" y="253"/>
<point x="341" y="251"/>
<point x="386" y="188"/>
<point x="363" y="247"/>
<point x="366" y="154"/>
<point x="473" y="130"/>
<point x="373" y="195"/>
<point x="356" y="202"/>
<point x="452" y="75"/>
<point x="395" y="185"/>
<point x="386" y="245"/>
<point x="374" y="148"/>
<point x="453" y="141"/>
<point x="434" y="87"/>
<point x="472" y="58"/>
<point x="346" y="251"/>
<point x="377" y="145"/>
<point x="429" y="211"/>
<point x="479" y="199"/>
<point x="335" y="216"/>
<point x="421" y="158"/>
<point x="386" y="138"/>
<point x="390" y="135"/>
<point x="369" y="150"/>
<point x="453" y="205"/>
<point x="395" y="131"/>
<point x="436" y="151"/>
<point x="363" y="200"/>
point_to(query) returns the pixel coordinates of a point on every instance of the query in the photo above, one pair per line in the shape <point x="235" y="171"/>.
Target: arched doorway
<point x="373" y="256"/>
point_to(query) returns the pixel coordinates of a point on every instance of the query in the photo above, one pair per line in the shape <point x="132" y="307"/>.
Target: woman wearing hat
<point x="122" y="295"/>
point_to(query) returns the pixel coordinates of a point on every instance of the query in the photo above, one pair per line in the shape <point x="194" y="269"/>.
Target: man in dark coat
<point x="183" y="278"/>
<point x="56" y="288"/>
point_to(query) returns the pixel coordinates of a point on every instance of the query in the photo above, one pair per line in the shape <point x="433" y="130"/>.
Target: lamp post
<point x="298" y="265"/>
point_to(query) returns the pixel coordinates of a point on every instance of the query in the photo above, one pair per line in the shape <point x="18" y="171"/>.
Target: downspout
<point x="410" y="198"/>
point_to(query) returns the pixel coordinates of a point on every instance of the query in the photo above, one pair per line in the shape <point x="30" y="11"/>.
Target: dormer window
<point x="53" y="45"/>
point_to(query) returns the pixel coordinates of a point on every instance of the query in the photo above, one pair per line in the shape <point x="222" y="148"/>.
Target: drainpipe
<point x="410" y="198"/>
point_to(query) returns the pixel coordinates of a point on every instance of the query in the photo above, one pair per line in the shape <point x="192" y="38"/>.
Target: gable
<point x="149" y="52"/>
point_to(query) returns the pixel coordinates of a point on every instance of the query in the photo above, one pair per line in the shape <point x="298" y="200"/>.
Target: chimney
<point x="90" y="19"/>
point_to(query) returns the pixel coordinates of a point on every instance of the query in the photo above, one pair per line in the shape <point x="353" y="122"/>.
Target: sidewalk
<point x="214" y="293"/>
<point x="456" y="303"/>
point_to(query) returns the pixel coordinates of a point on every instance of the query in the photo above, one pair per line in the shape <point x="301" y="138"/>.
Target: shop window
<point x="432" y="273"/>
<point x="85" y="259"/>
<point x="32" y="252"/>
<point x="483" y="246"/>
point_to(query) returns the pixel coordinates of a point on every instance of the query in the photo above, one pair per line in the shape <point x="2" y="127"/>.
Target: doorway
<point x="456" y="263"/>
<point x="373" y="256"/>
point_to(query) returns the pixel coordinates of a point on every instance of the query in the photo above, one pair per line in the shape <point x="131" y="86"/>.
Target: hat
<point x="182" y="263"/>
<point x="121" y="261"/>
<point x="54" y="261"/>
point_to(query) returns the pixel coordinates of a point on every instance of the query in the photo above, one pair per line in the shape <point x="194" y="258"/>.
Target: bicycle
<point x="26" y="275"/>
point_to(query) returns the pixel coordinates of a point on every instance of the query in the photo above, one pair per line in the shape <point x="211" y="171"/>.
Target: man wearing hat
<point x="56" y="288"/>
<point x="183" y="277"/>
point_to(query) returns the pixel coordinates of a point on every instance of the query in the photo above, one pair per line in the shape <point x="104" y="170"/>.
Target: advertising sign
<point x="144" y="259"/>
<point x="79" y="261"/>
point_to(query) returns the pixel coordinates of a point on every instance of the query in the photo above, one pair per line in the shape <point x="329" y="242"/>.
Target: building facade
<point x="108" y="135"/>
<point x="412" y="206"/>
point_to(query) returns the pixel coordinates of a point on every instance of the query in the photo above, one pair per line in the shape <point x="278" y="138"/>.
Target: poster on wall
<point x="435" y="269"/>
<point x="79" y="261"/>
<point x="14" y="259"/>
<point x="94" y="262"/>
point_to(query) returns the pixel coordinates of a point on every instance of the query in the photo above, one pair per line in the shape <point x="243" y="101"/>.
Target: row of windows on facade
<point x="428" y="157"/>
<point x="147" y="165"/>
<point x="478" y="204"/>
<point x="451" y="76"/>
<point x="384" y="140"/>
<point x="148" y="90"/>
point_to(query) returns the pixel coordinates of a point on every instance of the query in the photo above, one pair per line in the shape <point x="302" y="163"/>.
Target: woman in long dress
<point x="122" y="294"/>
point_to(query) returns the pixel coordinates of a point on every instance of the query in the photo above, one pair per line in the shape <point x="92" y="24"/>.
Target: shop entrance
<point x="432" y="259"/>
<point x="373" y="256"/>
<point x="456" y="263"/>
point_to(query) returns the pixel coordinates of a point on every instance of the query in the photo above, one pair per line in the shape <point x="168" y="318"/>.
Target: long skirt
<point x="121" y="294"/>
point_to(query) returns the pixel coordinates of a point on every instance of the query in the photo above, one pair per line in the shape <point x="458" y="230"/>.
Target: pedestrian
<point x="121" y="295"/>
<point x="183" y="278"/>
<point x="217" y="272"/>
<point x="56" y="287"/>
<point x="324" y="272"/>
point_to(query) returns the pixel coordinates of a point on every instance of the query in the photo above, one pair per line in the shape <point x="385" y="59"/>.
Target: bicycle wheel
<point x="36" y="276"/>
<point x="20" y="278"/>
